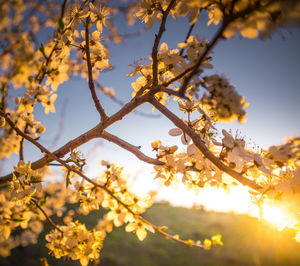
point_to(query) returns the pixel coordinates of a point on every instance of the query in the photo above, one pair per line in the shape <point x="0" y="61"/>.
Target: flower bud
<point x="40" y="129"/>
<point x="2" y="121"/>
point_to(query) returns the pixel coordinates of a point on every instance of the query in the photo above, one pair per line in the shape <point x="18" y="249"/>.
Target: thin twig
<point x="209" y="47"/>
<point x="21" y="149"/>
<point x="166" y="84"/>
<point x="63" y="8"/>
<point x="156" y="43"/>
<point x="161" y="231"/>
<point x="187" y="36"/>
<point x="43" y="71"/>
<point x="21" y="154"/>
<point x="131" y="148"/>
<point x="45" y="214"/>
<point x="90" y="72"/>
<point x="121" y="103"/>
<point x="171" y="92"/>
<point x="61" y="124"/>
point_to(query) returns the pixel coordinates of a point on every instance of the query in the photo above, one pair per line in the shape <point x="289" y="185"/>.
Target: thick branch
<point x="83" y="138"/>
<point x="202" y="147"/>
<point x="125" y="110"/>
<point x="129" y="147"/>
<point x="44" y="150"/>
<point x="70" y="168"/>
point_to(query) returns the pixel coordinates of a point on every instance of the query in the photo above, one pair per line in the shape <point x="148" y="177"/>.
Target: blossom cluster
<point x="221" y="100"/>
<point x="74" y="241"/>
<point x="24" y="67"/>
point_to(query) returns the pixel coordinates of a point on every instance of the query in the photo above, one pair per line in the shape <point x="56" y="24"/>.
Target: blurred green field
<point x="246" y="242"/>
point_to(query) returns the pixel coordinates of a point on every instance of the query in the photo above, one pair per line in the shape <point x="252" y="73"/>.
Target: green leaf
<point x="68" y="181"/>
<point x="17" y="220"/>
<point x="42" y="49"/>
<point x="61" y="25"/>
<point x="43" y="201"/>
<point x="35" y="179"/>
<point x="3" y="91"/>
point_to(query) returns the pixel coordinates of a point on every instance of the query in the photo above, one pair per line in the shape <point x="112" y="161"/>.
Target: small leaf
<point x="43" y="201"/>
<point x="17" y="220"/>
<point x="163" y="227"/>
<point x="42" y="49"/>
<point x="35" y="179"/>
<point x="3" y="89"/>
<point x="61" y="25"/>
<point x="68" y="180"/>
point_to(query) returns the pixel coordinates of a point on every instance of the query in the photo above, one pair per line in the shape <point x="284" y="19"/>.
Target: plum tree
<point x="29" y="197"/>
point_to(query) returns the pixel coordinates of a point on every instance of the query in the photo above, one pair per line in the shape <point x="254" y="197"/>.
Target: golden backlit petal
<point x="141" y="233"/>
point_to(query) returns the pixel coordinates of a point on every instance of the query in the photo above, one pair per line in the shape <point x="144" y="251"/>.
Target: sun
<point x="275" y="215"/>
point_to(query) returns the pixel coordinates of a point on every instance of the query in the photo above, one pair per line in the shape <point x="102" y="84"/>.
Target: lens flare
<point x="275" y="215"/>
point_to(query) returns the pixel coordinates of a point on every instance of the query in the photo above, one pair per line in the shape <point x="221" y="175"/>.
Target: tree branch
<point x="202" y="147"/>
<point x="45" y="214"/>
<point x="63" y="8"/>
<point x="166" y="84"/>
<point x="121" y="103"/>
<point x="83" y="138"/>
<point x="43" y="70"/>
<point x="187" y="36"/>
<point x="129" y="147"/>
<point x="70" y="168"/>
<point x="156" y="43"/>
<point x="21" y="153"/>
<point x="90" y="72"/>
<point x="171" y="92"/>
<point x="195" y="69"/>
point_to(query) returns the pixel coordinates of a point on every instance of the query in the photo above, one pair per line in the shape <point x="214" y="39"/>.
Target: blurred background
<point x="246" y="242"/>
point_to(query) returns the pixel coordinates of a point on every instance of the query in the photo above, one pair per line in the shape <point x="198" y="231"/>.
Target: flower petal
<point x="141" y="233"/>
<point x="185" y="139"/>
<point x="175" y="132"/>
